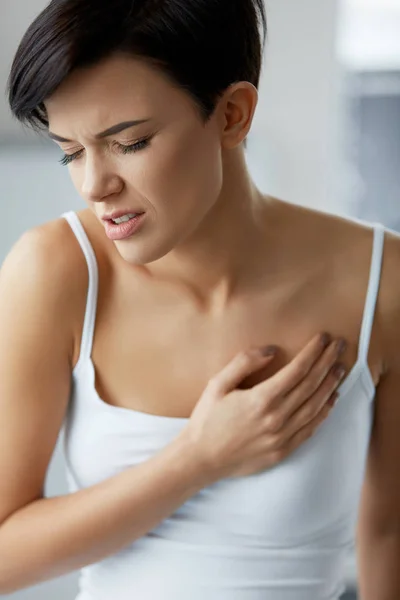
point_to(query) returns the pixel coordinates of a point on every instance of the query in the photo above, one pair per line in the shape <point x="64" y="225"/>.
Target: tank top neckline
<point x="360" y="371"/>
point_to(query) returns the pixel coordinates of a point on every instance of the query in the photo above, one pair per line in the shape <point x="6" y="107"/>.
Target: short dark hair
<point x="203" y="46"/>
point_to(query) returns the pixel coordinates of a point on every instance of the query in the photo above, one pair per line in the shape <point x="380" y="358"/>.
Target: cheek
<point x="77" y="177"/>
<point x="187" y="169"/>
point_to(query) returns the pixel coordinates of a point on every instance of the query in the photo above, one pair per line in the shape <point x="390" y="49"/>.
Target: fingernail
<point x="339" y="370"/>
<point x="268" y="350"/>
<point x="326" y="339"/>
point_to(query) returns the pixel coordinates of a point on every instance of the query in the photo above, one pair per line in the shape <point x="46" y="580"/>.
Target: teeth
<point x="124" y="219"/>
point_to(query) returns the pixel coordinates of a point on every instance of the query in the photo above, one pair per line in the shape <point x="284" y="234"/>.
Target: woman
<point x="199" y="465"/>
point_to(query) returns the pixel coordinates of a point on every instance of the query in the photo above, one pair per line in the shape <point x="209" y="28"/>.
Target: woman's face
<point x="175" y="173"/>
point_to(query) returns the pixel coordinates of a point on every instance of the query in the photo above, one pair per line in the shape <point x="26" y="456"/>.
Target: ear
<point x="237" y="108"/>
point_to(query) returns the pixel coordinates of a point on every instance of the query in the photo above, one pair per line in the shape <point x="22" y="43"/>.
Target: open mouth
<point x="123" y="227"/>
<point x="125" y="218"/>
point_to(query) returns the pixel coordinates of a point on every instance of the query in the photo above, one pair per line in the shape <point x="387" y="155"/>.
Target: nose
<point x="99" y="180"/>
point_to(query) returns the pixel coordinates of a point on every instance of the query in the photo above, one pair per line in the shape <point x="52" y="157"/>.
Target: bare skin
<point x="217" y="266"/>
<point x="158" y="356"/>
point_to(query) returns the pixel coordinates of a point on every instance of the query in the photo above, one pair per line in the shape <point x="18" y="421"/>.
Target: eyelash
<point x="136" y="147"/>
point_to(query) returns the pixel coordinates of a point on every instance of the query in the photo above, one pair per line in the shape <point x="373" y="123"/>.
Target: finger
<point x="242" y="365"/>
<point x="290" y="376"/>
<point x="309" y="411"/>
<point x="306" y="432"/>
<point x="323" y="376"/>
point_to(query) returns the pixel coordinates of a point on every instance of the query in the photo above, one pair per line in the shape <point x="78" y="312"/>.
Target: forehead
<point x="120" y="85"/>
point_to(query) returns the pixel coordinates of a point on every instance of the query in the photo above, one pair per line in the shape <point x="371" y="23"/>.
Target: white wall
<point x="297" y="134"/>
<point x="369" y="35"/>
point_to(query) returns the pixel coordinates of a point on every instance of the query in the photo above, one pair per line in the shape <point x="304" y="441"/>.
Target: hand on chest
<point x="161" y="363"/>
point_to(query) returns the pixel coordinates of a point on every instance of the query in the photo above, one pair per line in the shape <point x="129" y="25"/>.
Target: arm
<point x="378" y="530"/>
<point x="44" y="538"/>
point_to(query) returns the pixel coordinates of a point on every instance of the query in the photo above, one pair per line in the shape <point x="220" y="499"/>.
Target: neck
<point x="217" y="261"/>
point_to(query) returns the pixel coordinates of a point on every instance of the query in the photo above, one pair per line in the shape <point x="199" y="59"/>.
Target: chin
<point x="141" y="254"/>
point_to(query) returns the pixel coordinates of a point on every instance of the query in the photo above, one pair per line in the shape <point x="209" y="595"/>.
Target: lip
<point x="117" y="214"/>
<point x="124" y="230"/>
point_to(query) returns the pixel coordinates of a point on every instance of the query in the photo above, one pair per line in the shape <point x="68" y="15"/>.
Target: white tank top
<point x="283" y="534"/>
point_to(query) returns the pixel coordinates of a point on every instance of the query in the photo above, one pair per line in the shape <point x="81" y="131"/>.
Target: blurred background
<point x="326" y="135"/>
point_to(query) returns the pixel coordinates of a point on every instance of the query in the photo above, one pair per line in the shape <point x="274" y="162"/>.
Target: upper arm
<point x="380" y="501"/>
<point x="35" y="364"/>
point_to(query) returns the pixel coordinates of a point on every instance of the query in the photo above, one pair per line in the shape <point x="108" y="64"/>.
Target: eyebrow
<point x="111" y="131"/>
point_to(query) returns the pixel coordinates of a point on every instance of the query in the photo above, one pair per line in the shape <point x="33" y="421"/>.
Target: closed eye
<point x="124" y="149"/>
<point x="68" y="158"/>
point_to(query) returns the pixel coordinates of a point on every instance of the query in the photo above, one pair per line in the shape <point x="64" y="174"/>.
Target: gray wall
<point x="374" y="101"/>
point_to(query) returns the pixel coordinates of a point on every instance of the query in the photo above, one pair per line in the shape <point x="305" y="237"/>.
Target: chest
<point x="273" y="506"/>
<point x="154" y="351"/>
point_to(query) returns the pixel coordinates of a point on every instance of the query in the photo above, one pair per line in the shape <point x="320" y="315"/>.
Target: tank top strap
<point x="372" y="294"/>
<point x="91" y="304"/>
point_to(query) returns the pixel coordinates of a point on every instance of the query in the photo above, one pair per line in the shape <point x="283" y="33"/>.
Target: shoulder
<point x="46" y="266"/>
<point x="344" y="246"/>
<point x="357" y="236"/>
<point x="387" y="311"/>
<point x="48" y="251"/>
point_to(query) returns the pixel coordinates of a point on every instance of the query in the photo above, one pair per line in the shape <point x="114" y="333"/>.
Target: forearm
<point x="55" y="536"/>
<point x="378" y="558"/>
